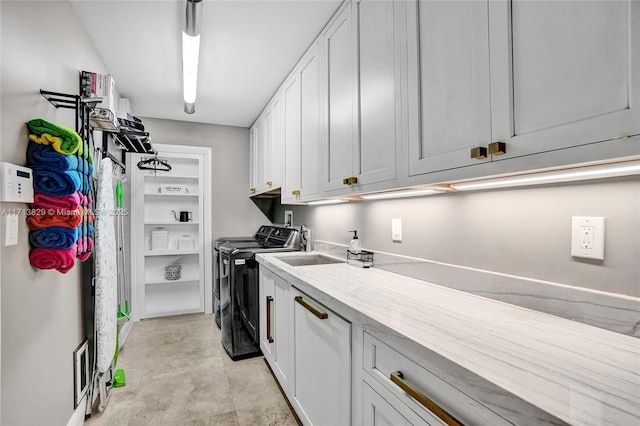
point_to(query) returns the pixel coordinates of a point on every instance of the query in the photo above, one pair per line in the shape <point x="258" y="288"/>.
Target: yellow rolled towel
<point x="61" y="138"/>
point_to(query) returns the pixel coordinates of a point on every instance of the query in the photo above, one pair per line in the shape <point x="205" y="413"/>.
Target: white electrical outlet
<point x="587" y="237"/>
<point x="396" y="229"/>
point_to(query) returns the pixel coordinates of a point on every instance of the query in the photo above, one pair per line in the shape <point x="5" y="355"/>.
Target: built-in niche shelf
<point x="155" y="194"/>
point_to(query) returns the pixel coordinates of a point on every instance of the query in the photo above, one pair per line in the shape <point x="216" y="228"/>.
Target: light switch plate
<point x="396" y="229"/>
<point x="587" y="237"/>
<point x="11" y="230"/>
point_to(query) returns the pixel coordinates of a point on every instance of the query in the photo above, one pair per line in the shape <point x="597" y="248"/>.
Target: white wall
<point x="234" y="214"/>
<point x="43" y="47"/>
<point x="523" y="232"/>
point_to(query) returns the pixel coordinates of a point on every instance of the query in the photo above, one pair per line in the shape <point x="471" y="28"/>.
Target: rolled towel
<point x="61" y="260"/>
<point x="85" y="247"/>
<point x="85" y="187"/>
<point x="84" y="167"/>
<point x="85" y="152"/>
<point x="57" y="184"/>
<point x="63" y="139"/>
<point x="45" y="156"/>
<point x="68" y="202"/>
<point x="54" y="237"/>
<point x="64" y="218"/>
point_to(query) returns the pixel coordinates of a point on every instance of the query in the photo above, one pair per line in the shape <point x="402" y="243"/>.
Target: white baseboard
<point x="77" y="419"/>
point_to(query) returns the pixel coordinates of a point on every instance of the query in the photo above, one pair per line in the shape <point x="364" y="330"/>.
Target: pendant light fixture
<point x="190" y="52"/>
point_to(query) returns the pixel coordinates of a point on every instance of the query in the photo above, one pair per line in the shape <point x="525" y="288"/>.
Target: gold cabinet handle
<point x="479" y="152"/>
<point x="315" y="311"/>
<point x="295" y="192"/>
<point x="269" y="336"/>
<point x="497" y="148"/>
<point x="269" y="183"/>
<point x="252" y="190"/>
<point x="398" y="378"/>
<point x="351" y="180"/>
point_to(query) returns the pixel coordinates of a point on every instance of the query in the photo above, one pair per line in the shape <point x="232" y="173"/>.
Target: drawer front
<point x="424" y="392"/>
<point x="380" y="408"/>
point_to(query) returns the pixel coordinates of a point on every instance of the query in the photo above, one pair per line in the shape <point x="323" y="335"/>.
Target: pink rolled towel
<point x="85" y="247"/>
<point x="61" y="260"/>
<point x="68" y="202"/>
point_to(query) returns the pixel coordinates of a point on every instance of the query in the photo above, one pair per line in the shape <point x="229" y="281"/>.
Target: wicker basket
<point x="172" y="272"/>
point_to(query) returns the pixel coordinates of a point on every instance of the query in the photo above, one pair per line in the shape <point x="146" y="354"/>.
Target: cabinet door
<point x="564" y="73"/>
<point x="281" y="321"/>
<point x="275" y="158"/>
<point x="338" y="49"/>
<point x="253" y="163"/>
<point x="261" y="153"/>
<point x="292" y="150"/>
<point x="267" y="181"/>
<point x="322" y="351"/>
<point x="449" y="94"/>
<point x="378" y="78"/>
<point x="310" y="123"/>
<point x="267" y="313"/>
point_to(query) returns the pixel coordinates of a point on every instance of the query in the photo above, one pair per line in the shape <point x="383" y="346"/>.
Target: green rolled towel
<point x="63" y="139"/>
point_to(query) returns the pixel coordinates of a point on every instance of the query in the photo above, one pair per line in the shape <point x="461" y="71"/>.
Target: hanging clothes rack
<point x="154" y="163"/>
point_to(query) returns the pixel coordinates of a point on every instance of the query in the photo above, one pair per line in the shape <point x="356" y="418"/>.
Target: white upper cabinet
<point x="339" y="78"/>
<point x="449" y="86"/>
<point x="363" y="106"/>
<point x="539" y="76"/>
<point x="301" y="110"/>
<point x="252" y="160"/>
<point x="564" y="73"/>
<point x="267" y="149"/>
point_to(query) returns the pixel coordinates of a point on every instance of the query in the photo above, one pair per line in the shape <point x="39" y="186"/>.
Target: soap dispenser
<point x="355" y="247"/>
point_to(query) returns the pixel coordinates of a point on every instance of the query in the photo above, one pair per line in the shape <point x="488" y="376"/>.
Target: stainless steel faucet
<point x="306" y="238"/>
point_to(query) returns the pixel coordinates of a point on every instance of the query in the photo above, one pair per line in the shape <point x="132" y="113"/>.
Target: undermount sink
<point x="309" y="259"/>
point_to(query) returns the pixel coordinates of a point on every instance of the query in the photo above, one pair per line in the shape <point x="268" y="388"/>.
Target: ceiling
<point x="247" y="48"/>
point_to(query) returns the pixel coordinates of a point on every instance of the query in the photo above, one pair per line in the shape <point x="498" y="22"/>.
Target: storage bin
<point x="185" y="243"/>
<point x="159" y="239"/>
<point x="172" y="272"/>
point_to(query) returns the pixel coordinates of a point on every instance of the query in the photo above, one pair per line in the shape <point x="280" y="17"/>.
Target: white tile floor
<point x="177" y="373"/>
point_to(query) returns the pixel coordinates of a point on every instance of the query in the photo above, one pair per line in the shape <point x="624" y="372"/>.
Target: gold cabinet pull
<point x="351" y="180"/>
<point x="252" y="190"/>
<point x="269" y="336"/>
<point x="295" y="192"/>
<point x="398" y="378"/>
<point x="269" y="183"/>
<point x="308" y="306"/>
<point x="497" y="148"/>
<point x="479" y="152"/>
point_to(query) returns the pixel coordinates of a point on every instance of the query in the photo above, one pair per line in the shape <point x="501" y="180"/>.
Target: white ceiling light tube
<point x="402" y="194"/>
<point x="191" y="52"/>
<point x="556" y="176"/>
<point x="325" y="202"/>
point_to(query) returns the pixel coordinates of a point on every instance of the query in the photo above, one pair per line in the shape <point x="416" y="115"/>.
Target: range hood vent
<point x="267" y="202"/>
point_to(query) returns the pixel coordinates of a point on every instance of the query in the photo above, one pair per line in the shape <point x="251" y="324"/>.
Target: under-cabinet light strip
<point x="402" y="194"/>
<point x="325" y="202"/>
<point x="582" y="173"/>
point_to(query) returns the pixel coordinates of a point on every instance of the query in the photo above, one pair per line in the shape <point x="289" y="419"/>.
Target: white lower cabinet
<point x="339" y="368"/>
<point x="322" y="359"/>
<point x="275" y="317"/>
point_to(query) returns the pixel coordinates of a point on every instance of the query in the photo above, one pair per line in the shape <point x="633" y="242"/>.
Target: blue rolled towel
<point x="44" y="156"/>
<point x="86" y="184"/>
<point x="54" y="237"/>
<point x="84" y="167"/>
<point x="55" y="183"/>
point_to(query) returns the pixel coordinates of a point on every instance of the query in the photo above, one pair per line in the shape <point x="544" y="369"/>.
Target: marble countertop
<point x="581" y="374"/>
